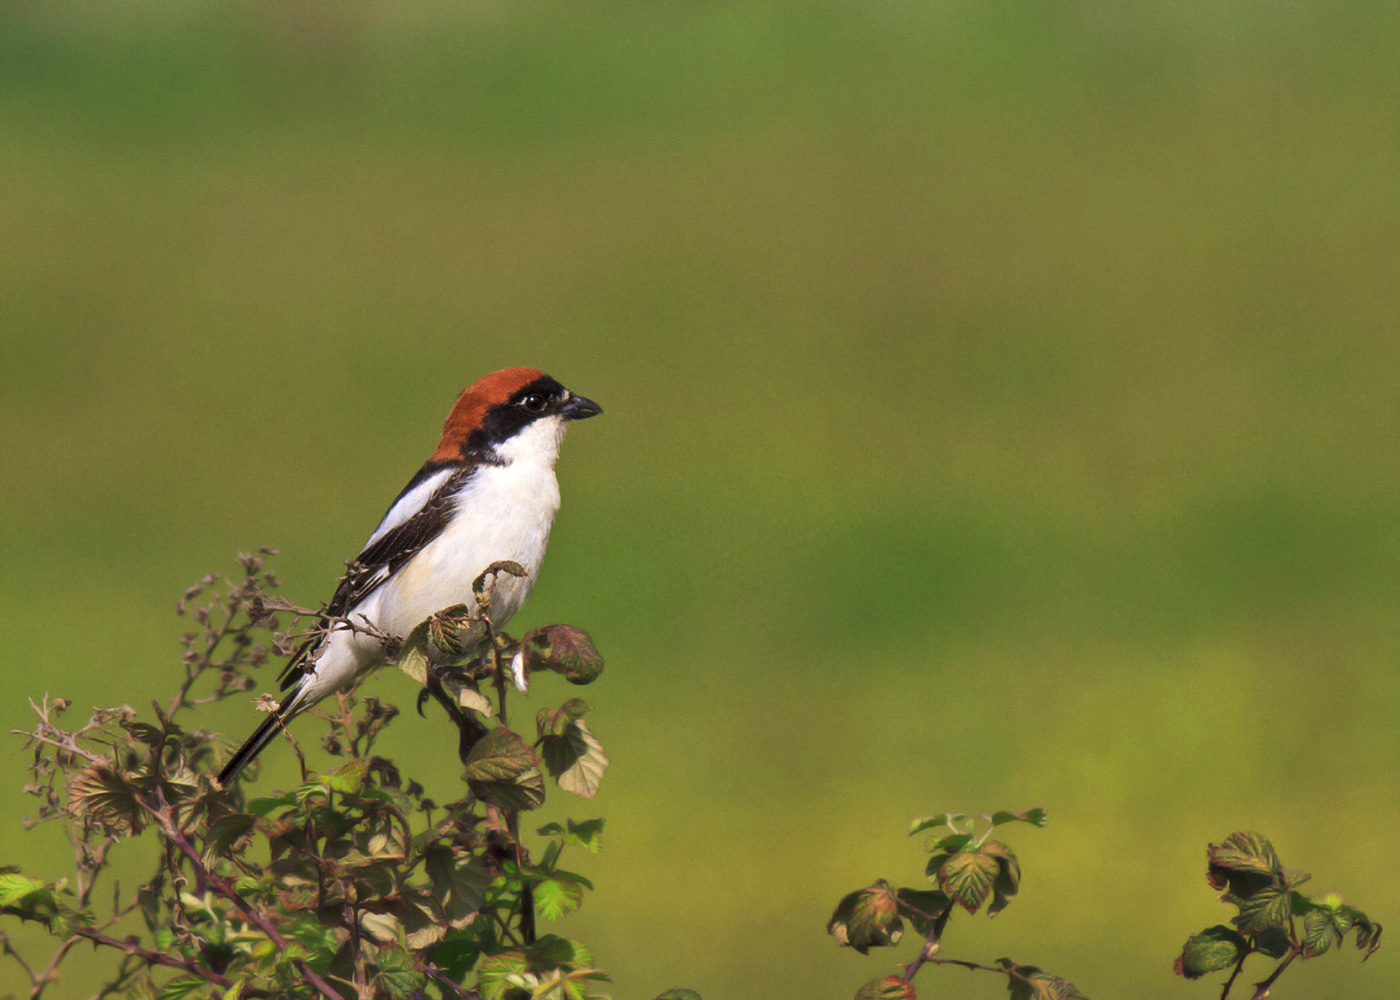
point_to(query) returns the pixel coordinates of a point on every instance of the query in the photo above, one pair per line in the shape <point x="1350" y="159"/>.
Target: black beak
<point x="579" y="408"/>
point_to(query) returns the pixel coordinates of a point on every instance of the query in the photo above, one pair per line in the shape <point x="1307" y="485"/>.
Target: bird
<point x="486" y="494"/>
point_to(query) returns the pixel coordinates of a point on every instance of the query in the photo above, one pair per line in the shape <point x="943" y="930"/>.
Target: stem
<point x="1239" y="967"/>
<point x="930" y="948"/>
<point x="1261" y="989"/>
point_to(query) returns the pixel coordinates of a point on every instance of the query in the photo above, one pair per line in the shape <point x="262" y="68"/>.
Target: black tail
<point x="261" y="737"/>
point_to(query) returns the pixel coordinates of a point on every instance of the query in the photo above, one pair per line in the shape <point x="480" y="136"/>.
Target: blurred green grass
<point x="1001" y="410"/>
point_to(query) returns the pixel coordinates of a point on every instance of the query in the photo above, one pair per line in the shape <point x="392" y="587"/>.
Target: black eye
<point x="534" y="402"/>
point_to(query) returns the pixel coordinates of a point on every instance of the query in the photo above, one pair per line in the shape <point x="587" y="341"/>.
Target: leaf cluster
<point x="1272" y="919"/>
<point x="966" y="867"/>
<point x="354" y="882"/>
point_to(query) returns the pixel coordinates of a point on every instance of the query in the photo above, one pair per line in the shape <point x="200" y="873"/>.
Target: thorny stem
<point x="1239" y="966"/>
<point x="1261" y="989"/>
<point x="160" y="958"/>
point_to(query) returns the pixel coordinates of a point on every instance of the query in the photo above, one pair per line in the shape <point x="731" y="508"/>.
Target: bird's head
<point x="510" y="412"/>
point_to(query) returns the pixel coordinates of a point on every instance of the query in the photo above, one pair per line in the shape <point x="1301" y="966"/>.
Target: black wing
<point x="380" y="561"/>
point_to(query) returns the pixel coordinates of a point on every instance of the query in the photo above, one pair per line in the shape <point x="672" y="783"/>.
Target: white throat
<point x="535" y="444"/>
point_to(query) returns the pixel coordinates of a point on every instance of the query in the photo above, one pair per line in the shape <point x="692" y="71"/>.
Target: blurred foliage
<point x="1010" y="383"/>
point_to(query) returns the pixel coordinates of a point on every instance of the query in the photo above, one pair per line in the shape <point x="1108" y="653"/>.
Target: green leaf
<point x="556" y="721"/>
<point x="14" y="887"/>
<point x="588" y="834"/>
<point x="224" y="833"/>
<point x="1036" y="817"/>
<point x="494" y="972"/>
<point x="575" y="759"/>
<point x="382" y="927"/>
<point x="1215" y="948"/>
<point x="679" y="994"/>
<point x="922" y="823"/>
<point x="1273" y="942"/>
<point x="557" y="896"/>
<point x="1368" y="932"/>
<point x="867" y="918"/>
<point x="1264" y="909"/>
<point x="453" y="631"/>
<point x="947" y="846"/>
<point x="459" y="881"/>
<point x="1324" y="928"/>
<point x="457" y="953"/>
<point x="397" y="976"/>
<point x="921" y="907"/>
<point x="183" y="986"/>
<point x="563" y="649"/>
<point x="413" y="655"/>
<point x="1027" y="982"/>
<point x="1008" y="879"/>
<point x="1244" y="864"/>
<point x="886" y="988"/>
<point x="102" y="793"/>
<point x="968" y="876"/>
<point x="266" y="806"/>
<point x="502" y="770"/>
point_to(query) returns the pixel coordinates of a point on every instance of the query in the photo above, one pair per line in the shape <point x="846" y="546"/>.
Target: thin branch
<point x="930" y="948"/>
<point x="1261" y="989"/>
<point x="442" y="979"/>
<point x="1239" y="967"/>
<point x="188" y="965"/>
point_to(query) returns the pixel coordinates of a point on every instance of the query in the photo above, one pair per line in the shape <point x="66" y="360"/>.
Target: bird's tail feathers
<point x="290" y="707"/>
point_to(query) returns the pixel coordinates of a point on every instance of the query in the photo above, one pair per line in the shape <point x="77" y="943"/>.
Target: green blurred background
<point x="1001" y="411"/>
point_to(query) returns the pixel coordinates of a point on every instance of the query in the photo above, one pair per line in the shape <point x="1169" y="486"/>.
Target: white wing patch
<point x="409" y="504"/>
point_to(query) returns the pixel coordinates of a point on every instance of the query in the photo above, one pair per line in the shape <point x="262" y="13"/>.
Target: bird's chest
<point x="501" y="513"/>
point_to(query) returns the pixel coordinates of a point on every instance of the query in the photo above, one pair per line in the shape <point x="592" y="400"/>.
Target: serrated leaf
<point x="679" y="995"/>
<point x="1008" y="879"/>
<point x="967" y="877"/>
<point x="1028" y="982"/>
<point x="1264" y="909"/>
<point x="14" y="887"/>
<point x="1273" y="942"/>
<point x="555" y="721"/>
<point x="565" y="650"/>
<point x="424" y="923"/>
<point x="1035" y="817"/>
<point x="949" y="845"/>
<point x="224" y="833"/>
<point x="500" y="755"/>
<point x="502" y="770"/>
<point x="397" y="976"/>
<point x="1323" y="929"/>
<point x="184" y="986"/>
<point x="575" y="759"/>
<point x="1245" y="863"/>
<point x="494" y="972"/>
<point x="269" y="805"/>
<point x="867" y="918"/>
<point x="1368" y="932"/>
<point x="457" y="953"/>
<point x="1215" y="948"/>
<point x="382" y="927"/>
<point x="886" y="988"/>
<point x="588" y="834"/>
<point x="557" y="896"/>
<point x="460" y="881"/>
<point x="922" y="823"/>
<point x="413" y="655"/>
<point x="105" y="795"/>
